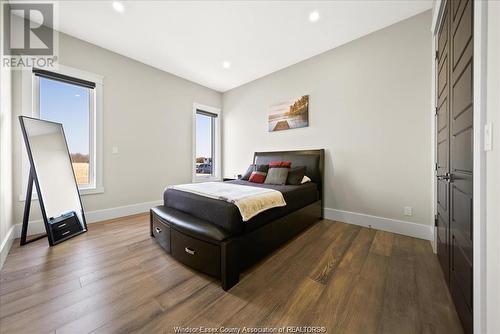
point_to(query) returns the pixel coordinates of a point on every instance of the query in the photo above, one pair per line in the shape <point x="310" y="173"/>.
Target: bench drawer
<point x="161" y="231"/>
<point x="198" y="254"/>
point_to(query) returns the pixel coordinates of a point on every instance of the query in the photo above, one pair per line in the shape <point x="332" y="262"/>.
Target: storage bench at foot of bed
<point x="198" y="254"/>
<point x="189" y="240"/>
<point x="210" y="249"/>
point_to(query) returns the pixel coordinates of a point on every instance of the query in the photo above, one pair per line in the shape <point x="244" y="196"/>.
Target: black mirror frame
<point x="34" y="179"/>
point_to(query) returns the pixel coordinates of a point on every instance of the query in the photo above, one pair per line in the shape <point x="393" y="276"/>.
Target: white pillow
<point x="305" y="179"/>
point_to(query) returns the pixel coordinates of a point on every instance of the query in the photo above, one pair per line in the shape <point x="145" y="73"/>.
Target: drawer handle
<point x="158" y="230"/>
<point x="67" y="232"/>
<point x="62" y="225"/>
<point x="190" y="251"/>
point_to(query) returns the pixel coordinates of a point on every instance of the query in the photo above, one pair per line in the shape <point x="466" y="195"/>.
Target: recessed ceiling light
<point x="314" y="16"/>
<point x="226" y="64"/>
<point x="118" y="6"/>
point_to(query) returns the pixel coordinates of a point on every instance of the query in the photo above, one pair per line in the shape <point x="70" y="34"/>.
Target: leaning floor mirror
<point x="52" y="173"/>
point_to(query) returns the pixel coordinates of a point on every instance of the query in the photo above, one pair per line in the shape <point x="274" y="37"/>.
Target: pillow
<point x="259" y="174"/>
<point x="276" y="176"/>
<point x="278" y="172"/>
<point x="305" y="180"/>
<point x="295" y="175"/>
<point x="249" y="171"/>
<point x="284" y="164"/>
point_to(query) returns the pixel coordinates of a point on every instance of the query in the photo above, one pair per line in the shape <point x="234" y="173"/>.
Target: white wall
<point x="369" y="108"/>
<point x="493" y="171"/>
<point x="147" y="114"/>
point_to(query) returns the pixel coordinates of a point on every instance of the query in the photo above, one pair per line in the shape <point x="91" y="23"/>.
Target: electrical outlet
<point x="408" y="210"/>
<point x="114" y="149"/>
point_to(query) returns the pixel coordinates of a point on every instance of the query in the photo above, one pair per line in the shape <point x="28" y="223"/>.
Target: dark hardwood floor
<point x="116" y="279"/>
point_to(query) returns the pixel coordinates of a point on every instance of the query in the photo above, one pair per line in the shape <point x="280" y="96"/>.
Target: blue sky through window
<point x="203" y="136"/>
<point x="67" y="104"/>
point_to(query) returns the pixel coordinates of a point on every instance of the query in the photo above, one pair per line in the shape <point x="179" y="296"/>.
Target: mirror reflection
<point x="49" y="154"/>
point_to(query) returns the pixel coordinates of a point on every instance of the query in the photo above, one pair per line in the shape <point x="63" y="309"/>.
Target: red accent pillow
<point x="285" y="164"/>
<point x="257" y="177"/>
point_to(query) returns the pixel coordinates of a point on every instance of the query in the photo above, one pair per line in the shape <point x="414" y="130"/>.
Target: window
<point x="73" y="98"/>
<point x="206" y="143"/>
<point x="205" y="124"/>
<point x="69" y="104"/>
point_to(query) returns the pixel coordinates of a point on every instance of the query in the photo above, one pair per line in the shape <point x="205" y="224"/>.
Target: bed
<point x="210" y="235"/>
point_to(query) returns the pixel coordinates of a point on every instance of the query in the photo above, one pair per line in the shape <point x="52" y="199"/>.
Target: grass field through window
<point x="81" y="170"/>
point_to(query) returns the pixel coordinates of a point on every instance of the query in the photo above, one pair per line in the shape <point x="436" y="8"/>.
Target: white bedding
<point x="250" y="200"/>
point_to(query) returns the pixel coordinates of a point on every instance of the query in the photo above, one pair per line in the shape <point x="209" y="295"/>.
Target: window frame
<point x="216" y="145"/>
<point x="31" y="107"/>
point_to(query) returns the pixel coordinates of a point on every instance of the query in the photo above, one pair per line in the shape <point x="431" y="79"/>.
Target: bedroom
<point x="179" y="106"/>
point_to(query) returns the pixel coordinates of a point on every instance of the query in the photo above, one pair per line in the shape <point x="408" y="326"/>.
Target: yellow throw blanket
<point x="250" y="200"/>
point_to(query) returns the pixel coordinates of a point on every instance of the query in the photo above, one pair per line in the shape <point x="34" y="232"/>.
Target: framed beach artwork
<point x="289" y="115"/>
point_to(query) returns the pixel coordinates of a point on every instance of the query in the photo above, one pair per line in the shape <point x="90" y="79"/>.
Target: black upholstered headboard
<point x="314" y="160"/>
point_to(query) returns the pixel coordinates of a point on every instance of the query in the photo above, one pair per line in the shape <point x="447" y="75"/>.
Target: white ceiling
<point x="191" y="39"/>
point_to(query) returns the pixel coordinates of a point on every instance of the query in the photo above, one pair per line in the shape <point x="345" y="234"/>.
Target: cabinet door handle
<point x="67" y="232"/>
<point x="190" y="251"/>
<point x="62" y="225"/>
<point x="158" y="230"/>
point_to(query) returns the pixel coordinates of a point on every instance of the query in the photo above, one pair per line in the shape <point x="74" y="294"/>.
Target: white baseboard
<point x="37" y="227"/>
<point x="385" y="224"/>
<point x="6" y="244"/>
<point x="121" y="211"/>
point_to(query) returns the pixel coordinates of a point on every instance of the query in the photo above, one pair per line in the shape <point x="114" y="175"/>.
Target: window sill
<point x="91" y="191"/>
<point x="83" y="192"/>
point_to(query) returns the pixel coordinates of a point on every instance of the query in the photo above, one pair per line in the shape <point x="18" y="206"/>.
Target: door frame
<point x="479" y="163"/>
